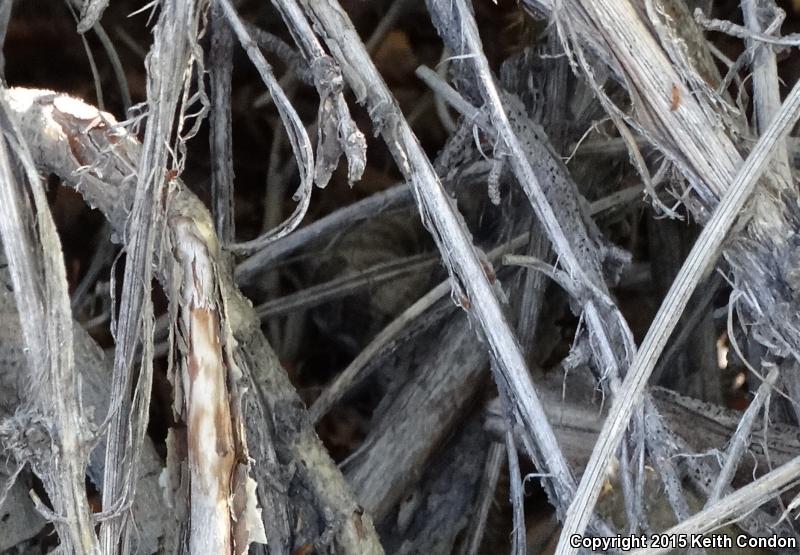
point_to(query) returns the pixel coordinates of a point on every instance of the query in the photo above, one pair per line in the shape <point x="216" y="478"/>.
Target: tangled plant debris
<point x="547" y="288"/>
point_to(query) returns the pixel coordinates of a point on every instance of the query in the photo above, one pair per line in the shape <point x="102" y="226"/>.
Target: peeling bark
<point x="291" y="466"/>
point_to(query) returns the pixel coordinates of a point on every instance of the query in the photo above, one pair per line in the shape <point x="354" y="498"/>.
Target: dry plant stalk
<point x="703" y="255"/>
<point x="218" y="331"/>
<point x="609" y="336"/>
<point x="695" y="140"/>
<point x="170" y="65"/>
<point x="215" y="341"/>
<point x="223" y="514"/>
<point x="37" y="270"/>
<point x="471" y="285"/>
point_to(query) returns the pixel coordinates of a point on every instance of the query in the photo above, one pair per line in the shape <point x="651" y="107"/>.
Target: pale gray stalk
<point x="692" y="136"/>
<point x="470" y="283"/>
<point x="169" y="66"/>
<point x="36" y="264"/>
<point x="521" y="166"/>
<point x="703" y="255"/>
<point x="358" y="369"/>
